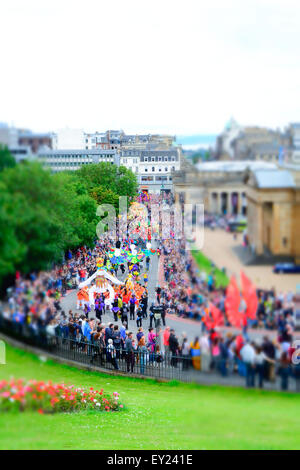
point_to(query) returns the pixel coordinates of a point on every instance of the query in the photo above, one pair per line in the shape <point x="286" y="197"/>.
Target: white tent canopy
<point x="101" y="272"/>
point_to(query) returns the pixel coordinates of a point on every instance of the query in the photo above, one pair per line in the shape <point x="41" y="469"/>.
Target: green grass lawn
<point x="206" y="265"/>
<point x="157" y="415"/>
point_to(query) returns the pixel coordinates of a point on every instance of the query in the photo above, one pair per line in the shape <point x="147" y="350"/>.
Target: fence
<point x="171" y="367"/>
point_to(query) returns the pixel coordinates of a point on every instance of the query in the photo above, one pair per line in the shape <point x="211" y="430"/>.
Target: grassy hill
<point x="157" y="415"/>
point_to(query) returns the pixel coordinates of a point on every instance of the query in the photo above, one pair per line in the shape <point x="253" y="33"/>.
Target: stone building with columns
<point x="274" y="213"/>
<point x="218" y="184"/>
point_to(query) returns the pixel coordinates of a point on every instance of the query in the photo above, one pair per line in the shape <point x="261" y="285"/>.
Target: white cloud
<point x="169" y="66"/>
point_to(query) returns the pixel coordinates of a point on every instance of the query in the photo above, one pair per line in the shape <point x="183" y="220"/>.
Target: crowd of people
<point x="188" y="292"/>
<point x="183" y="290"/>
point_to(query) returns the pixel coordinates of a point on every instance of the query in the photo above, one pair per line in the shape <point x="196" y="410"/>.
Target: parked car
<point x="286" y="268"/>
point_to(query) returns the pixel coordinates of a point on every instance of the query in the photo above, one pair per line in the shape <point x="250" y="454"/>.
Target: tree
<point x="105" y="196"/>
<point x="6" y="158"/>
<point x="44" y="214"/>
<point x="11" y="250"/>
<point x="119" y="180"/>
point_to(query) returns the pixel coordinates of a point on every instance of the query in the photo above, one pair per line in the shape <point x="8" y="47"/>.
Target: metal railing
<point x="166" y="366"/>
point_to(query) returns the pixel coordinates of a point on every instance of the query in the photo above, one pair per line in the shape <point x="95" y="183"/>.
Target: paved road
<point x="189" y="327"/>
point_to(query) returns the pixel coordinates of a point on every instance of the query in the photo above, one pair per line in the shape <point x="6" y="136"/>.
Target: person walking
<point x="139" y="317"/>
<point x="144" y="304"/>
<point x="151" y="314"/>
<point x="284" y="370"/>
<point x="158" y="294"/>
<point x="163" y="313"/>
<point x="195" y="352"/>
<point x="129" y="349"/>
<point x="259" y="362"/>
<point x="132" y="303"/>
<point x="205" y="353"/>
<point x="185" y="352"/>
<point x="143" y="354"/>
<point x="111" y="354"/>
<point x="109" y="333"/>
<point x="124" y="315"/>
<point x="115" y="309"/>
<point x="248" y="357"/>
<point x="166" y="335"/>
<point x="174" y="347"/>
<point x="116" y="337"/>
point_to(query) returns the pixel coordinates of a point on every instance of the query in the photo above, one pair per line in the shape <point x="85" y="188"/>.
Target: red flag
<point x="232" y="303"/>
<point x="250" y="296"/>
<point x="217" y="315"/>
<point x="208" y="322"/>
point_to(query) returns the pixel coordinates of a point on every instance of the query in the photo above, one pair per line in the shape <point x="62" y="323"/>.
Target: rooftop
<point x="274" y="179"/>
<point x="236" y="165"/>
<point x="77" y="152"/>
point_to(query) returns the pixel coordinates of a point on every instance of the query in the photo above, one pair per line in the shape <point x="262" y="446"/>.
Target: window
<point x="153" y="169"/>
<point x="166" y="168"/>
<point x="146" y="159"/>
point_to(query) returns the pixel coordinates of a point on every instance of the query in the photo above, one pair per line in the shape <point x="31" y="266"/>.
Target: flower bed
<point x="46" y="397"/>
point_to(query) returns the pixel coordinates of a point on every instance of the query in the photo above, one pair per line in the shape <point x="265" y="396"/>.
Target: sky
<point x="180" y="67"/>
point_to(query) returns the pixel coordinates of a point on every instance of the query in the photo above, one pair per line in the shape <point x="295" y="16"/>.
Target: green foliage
<point x="118" y="180"/>
<point x="6" y="158"/>
<point x="105" y="196"/>
<point x="44" y="214"/>
<point x="206" y="265"/>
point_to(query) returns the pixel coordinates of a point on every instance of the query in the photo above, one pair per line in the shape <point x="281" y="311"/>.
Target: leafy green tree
<point x="44" y="214"/>
<point x="119" y="180"/>
<point x="6" y="158"/>
<point x="105" y="196"/>
<point x="11" y="250"/>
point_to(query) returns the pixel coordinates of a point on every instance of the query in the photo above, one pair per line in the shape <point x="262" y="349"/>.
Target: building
<point x="68" y="139"/>
<point x="8" y="135"/>
<point x="274" y="213"/>
<point x="219" y="185"/>
<point x="153" y="168"/>
<point x="21" y="153"/>
<point x="224" y="144"/>
<point x="269" y="152"/>
<point x="66" y="160"/>
<point x="34" y="141"/>
<point x="96" y="140"/>
<point x="294" y="131"/>
<point x="143" y="141"/>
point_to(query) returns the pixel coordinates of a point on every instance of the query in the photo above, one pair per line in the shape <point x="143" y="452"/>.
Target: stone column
<point x="259" y="232"/>
<point x="219" y="202"/>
